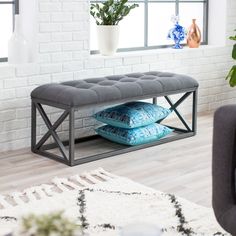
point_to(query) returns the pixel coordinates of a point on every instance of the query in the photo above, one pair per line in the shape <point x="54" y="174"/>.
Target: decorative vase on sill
<point x="177" y="33"/>
<point x="108" y="39"/>
<point x="194" y="35"/>
<point x="17" y="45"/>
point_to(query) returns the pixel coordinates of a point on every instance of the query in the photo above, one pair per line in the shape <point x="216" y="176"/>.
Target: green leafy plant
<point x="232" y="73"/>
<point x="110" y="12"/>
<point x="48" y="225"/>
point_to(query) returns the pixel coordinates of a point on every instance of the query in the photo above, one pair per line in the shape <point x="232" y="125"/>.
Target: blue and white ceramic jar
<point x="177" y="33"/>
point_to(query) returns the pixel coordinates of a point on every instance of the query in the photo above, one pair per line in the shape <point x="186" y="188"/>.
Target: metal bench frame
<point x="41" y="148"/>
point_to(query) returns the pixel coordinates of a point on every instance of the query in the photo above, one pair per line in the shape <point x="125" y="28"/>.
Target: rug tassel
<point x="29" y="193"/>
<point x="16" y="196"/>
<point x="40" y="192"/>
<point x="82" y="182"/>
<point x="102" y="171"/>
<point x="48" y="190"/>
<point x="91" y="178"/>
<point x="101" y="175"/>
<point x="59" y="184"/>
<point x="4" y="203"/>
<point x="69" y="183"/>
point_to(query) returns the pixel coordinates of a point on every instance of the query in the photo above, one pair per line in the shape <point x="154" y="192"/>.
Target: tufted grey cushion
<point x="113" y="88"/>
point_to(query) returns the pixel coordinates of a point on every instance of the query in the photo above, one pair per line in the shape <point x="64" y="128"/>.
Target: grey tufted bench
<point x="73" y="96"/>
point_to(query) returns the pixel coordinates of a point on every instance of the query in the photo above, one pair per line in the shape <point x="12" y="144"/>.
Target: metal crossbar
<point x="52" y="131"/>
<point x="68" y="156"/>
<point x="173" y="107"/>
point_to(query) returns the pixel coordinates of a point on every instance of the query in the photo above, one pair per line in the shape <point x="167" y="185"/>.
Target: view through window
<point x="8" y="8"/>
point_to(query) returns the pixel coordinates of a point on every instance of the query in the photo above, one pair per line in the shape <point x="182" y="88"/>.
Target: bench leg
<point x="40" y="147"/>
<point x="194" y="112"/>
<point x="72" y="137"/>
<point x="33" y="126"/>
<point x="154" y="100"/>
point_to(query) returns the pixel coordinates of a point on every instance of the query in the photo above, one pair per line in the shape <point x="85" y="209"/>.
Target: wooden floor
<point x="181" y="167"/>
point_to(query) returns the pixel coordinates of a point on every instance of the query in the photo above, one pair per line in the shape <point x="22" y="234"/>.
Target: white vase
<point x="17" y="45"/>
<point x="108" y="39"/>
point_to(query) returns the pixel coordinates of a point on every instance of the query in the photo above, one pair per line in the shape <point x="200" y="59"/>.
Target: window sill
<point x="156" y="52"/>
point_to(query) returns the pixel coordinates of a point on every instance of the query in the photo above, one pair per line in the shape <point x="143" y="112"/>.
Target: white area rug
<point x="107" y="203"/>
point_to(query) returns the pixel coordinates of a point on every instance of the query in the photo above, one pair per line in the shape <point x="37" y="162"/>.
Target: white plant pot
<point x="108" y="39"/>
<point x="17" y="45"/>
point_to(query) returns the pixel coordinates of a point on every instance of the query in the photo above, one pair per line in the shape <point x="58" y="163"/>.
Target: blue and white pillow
<point x="134" y="136"/>
<point x="132" y="115"/>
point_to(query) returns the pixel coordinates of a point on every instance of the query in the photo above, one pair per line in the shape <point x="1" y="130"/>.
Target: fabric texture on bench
<point x="112" y="88"/>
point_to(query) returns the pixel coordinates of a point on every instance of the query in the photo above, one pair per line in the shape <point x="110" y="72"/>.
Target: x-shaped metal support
<point x="174" y="107"/>
<point x="52" y="131"/>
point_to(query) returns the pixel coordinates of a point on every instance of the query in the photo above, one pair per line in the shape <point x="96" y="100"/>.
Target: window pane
<point x="159" y="23"/>
<point x="132" y="29"/>
<point x="93" y="34"/>
<point x="6" y="28"/>
<point x="189" y="11"/>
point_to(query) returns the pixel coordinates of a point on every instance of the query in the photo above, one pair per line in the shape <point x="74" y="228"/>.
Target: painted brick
<point x="49" y="7"/>
<point x="72" y="46"/>
<point x="23" y="113"/>
<point x="7" y="115"/>
<point x="44" y="38"/>
<point x="7" y="94"/>
<point x="122" y="69"/>
<point x="27" y="70"/>
<point x="50" y="47"/>
<point x="61" y="37"/>
<point x="73" y="6"/>
<point x="39" y="79"/>
<point x="50" y="27"/>
<point x="44" y="17"/>
<point x="70" y="27"/>
<point x="94" y="63"/>
<point x="50" y="68"/>
<point x="61" y="56"/>
<point x="15" y="83"/>
<point x="73" y="66"/>
<point x="61" y="17"/>
<point x="7" y="71"/>
<point x="60" y="77"/>
<point x="113" y="62"/>
<point x="132" y="60"/>
<point x="15" y="124"/>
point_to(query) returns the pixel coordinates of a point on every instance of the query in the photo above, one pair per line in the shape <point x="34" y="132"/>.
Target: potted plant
<point x="107" y="16"/>
<point x="232" y="73"/>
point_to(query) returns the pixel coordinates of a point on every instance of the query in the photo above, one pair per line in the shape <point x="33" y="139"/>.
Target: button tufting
<point x="115" y="87"/>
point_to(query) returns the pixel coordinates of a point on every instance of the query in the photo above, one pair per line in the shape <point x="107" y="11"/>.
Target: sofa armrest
<point x="223" y="167"/>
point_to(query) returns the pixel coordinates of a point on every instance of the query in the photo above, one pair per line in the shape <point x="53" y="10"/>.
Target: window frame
<point x="15" y="10"/>
<point x="177" y="2"/>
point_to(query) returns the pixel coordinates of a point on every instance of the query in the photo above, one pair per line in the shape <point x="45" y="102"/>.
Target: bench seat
<point x="113" y="88"/>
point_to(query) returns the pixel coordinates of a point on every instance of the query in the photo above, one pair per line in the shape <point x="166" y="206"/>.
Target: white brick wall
<point x="63" y="48"/>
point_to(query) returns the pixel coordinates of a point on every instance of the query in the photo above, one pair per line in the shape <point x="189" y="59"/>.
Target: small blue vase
<point x="178" y="34"/>
<point x="177" y="45"/>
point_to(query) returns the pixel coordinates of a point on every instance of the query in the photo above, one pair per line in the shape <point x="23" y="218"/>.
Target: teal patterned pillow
<point x="132" y="114"/>
<point x="136" y="136"/>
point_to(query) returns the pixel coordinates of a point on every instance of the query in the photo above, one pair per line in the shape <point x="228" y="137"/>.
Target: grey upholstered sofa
<point x="224" y="164"/>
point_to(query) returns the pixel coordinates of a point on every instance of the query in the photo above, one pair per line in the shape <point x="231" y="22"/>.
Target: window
<point x="147" y="26"/>
<point x="8" y="8"/>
